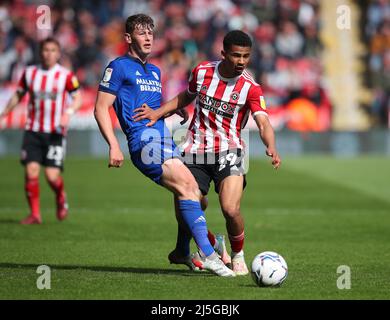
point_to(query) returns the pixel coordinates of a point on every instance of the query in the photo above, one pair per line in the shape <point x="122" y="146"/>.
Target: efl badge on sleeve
<point x="155" y="75"/>
<point x="75" y="82"/>
<point x="107" y="75"/>
<point x="262" y="103"/>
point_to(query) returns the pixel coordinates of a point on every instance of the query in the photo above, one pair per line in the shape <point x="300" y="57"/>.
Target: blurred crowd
<point x="286" y="54"/>
<point x="377" y="34"/>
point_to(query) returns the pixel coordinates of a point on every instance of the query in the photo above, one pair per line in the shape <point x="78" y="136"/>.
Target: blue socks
<point x="194" y="217"/>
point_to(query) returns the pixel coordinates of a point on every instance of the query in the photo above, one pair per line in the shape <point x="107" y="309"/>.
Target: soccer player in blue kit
<point x="129" y="82"/>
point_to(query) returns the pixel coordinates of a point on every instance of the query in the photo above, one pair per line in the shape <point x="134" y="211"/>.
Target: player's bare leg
<point x="56" y="182"/>
<point x="178" y="179"/>
<point x="31" y="188"/>
<point x="230" y="194"/>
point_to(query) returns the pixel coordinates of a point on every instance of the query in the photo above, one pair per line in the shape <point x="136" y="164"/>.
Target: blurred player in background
<point x="47" y="119"/>
<point x="214" y="151"/>
<point x="129" y="82"/>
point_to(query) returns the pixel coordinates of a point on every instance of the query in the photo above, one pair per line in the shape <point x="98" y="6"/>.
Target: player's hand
<point x="145" y="112"/>
<point x="184" y="114"/>
<point x="64" y="121"/>
<point x="3" y="116"/>
<point x="116" y="158"/>
<point x="276" y="161"/>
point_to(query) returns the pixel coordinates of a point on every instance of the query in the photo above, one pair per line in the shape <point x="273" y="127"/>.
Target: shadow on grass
<point x="9" y="221"/>
<point x="154" y="271"/>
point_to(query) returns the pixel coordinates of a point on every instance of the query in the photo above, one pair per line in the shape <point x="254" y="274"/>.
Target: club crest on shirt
<point x="203" y="89"/>
<point x="155" y="75"/>
<point x="107" y="75"/>
<point x="235" y="96"/>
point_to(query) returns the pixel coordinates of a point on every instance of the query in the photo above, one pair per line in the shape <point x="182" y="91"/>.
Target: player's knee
<point x="51" y="179"/>
<point x="189" y="189"/>
<point x="32" y="170"/>
<point x="231" y="211"/>
<point x="52" y="175"/>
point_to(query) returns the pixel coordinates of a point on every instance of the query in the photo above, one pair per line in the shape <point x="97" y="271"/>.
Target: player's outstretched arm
<point x="73" y="107"/>
<point x="267" y="135"/>
<point x="182" y="100"/>
<point x="104" y="101"/>
<point x="12" y="103"/>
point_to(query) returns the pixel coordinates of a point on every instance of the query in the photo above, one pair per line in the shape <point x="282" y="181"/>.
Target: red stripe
<point x="42" y="104"/>
<point x="208" y="77"/>
<point x="202" y="130"/>
<point x="31" y="113"/>
<point x="22" y="120"/>
<point x="198" y="111"/>
<point x="10" y="118"/>
<point x="54" y="102"/>
<point x="212" y="116"/>
<point x="241" y="115"/>
<point x="63" y="105"/>
<point x="226" y="121"/>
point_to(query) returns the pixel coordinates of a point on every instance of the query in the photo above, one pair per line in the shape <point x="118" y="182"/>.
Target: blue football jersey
<point x="133" y="83"/>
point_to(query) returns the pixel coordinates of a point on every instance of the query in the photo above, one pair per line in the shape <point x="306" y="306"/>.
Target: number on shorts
<point x="230" y="157"/>
<point x="55" y="153"/>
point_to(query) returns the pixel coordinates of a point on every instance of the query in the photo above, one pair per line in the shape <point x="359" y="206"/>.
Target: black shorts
<point x="48" y="149"/>
<point x="215" y="167"/>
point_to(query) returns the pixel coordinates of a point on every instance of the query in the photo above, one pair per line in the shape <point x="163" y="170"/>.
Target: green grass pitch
<point x="318" y="212"/>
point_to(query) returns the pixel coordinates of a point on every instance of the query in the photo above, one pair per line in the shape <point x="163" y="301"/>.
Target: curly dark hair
<point x="138" y="20"/>
<point x="238" y="38"/>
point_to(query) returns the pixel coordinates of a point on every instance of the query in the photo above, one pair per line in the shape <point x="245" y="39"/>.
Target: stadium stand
<point x="287" y="57"/>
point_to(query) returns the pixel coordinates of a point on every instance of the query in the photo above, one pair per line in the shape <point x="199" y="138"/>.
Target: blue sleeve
<point x="112" y="78"/>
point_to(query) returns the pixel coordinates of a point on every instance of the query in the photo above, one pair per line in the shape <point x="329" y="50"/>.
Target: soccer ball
<point x="269" y="269"/>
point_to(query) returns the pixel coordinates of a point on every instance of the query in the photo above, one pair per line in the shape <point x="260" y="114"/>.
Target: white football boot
<point x="238" y="263"/>
<point x="214" y="264"/>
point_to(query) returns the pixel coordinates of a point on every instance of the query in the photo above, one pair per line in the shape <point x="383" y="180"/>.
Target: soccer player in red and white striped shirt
<point x="48" y="85"/>
<point x="226" y="95"/>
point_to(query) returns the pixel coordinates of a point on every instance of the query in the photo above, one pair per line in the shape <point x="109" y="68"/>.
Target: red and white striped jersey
<point x="48" y="91"/>
<point x="222" y="109"/>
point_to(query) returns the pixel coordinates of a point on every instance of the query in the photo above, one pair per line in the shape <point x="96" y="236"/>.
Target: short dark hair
<point x="238" y="38"/>
<point x="48" y="40"/>
<point x="138" y="20"/>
